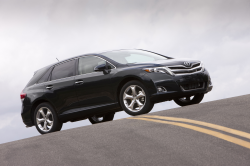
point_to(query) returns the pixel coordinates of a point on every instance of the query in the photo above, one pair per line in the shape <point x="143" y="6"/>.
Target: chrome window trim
<point x="88" y="73"/>
<point x="64" y="61"/>
<point x="53" y="69"/>
<point x="59" y="63"/>
<point x="75" y="75"/>
<point x="91" y="73"/>
<point x="58" y="79"/>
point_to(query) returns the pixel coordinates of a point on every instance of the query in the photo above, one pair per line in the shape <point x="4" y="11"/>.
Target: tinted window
<point x="64" y="70"/>
<point x="133" y="56"/>
<point x="88" y="63"/>
<point x="45" y="77"/>
<point x="36" y="76"/>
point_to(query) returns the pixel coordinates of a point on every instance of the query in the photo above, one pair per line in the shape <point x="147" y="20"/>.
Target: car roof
<point x="93" y="53"/>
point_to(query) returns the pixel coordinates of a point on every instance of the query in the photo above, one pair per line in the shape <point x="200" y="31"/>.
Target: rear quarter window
<point x="37" y="76"/>
<point x="45" y="77"/>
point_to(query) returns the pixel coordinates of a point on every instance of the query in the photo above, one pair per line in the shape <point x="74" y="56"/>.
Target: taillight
<point x="22" y="95"/>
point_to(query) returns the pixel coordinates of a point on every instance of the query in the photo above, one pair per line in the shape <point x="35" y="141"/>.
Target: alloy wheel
<point x="44" y="119"/>
<point x="134" y="98"/>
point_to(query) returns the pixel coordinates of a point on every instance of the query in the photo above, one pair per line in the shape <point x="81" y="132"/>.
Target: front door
<point x="93" y="88"/>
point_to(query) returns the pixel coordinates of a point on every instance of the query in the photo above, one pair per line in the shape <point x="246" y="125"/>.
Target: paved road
<point x="171" y="137"/>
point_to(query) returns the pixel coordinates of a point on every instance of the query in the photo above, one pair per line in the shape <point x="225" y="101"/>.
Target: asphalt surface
<point x="150" y="140"/>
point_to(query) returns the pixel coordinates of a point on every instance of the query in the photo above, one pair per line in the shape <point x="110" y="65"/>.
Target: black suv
<point x="97" y="85"/>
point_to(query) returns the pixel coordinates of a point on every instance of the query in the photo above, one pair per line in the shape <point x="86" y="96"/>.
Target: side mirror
<point x="101" y="67"/>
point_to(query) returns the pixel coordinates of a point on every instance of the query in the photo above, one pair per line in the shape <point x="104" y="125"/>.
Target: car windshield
<point x="133" y="56"/>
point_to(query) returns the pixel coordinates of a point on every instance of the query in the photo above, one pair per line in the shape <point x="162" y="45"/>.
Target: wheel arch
<point x="123" y="82"/>
<point x="34" y="105"/>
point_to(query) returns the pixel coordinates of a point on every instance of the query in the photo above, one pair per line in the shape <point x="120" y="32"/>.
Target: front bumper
<point x="174" y="85"/>
<point x="170" y="95"/>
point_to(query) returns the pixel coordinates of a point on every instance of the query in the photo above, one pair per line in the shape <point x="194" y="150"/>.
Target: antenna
<point x="57" y="59"/>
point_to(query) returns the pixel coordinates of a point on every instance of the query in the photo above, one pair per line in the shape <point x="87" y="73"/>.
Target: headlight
<point x="202" y="67"/>
<point x="159" y="70"/>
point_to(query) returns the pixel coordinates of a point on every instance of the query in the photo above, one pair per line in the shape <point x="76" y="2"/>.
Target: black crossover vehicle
<point x="97" y="85"/>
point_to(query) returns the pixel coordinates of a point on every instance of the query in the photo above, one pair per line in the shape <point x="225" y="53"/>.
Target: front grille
<point x="193" y="86"/>
<point x="196" y="65"/>
<point x="176" y="67"/>
<point x="181" y="69"/>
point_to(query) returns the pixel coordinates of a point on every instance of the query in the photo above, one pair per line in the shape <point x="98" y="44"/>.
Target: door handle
<point x="49" y="87"/>
<point x="79" y="82"/>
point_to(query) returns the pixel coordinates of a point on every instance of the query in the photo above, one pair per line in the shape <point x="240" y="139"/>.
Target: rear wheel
<point x="134" y="98"/>
<point x="99" y="119"/>
<point x="46" y="119"/>
<point x="189" y="100"/>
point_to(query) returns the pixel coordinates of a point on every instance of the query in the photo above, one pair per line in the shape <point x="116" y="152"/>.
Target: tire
<point x="50" y="116"/>
<point x="100" y="119"/>
<point x="131" y="101"/>
<point x="187" y="101"/>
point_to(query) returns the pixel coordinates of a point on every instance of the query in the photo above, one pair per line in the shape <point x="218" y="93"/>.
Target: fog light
<point x="161" y="89"/>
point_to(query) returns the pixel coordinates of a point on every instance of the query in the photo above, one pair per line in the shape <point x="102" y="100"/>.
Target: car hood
<point x="168" y="62"/>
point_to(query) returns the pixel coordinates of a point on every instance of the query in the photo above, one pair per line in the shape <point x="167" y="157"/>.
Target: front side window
<point x="63" y="70"/>
<point x="133" y="56"/>
<point x="88" y="63"/>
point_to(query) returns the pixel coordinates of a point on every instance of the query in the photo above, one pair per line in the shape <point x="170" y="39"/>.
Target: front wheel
<point x="135" y="99"/>
<point x="189" y="100"/>
<point x="99" y="119"/>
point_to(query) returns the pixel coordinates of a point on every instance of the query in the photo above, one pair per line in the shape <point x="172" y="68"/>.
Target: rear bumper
<point x="26" y="115"/>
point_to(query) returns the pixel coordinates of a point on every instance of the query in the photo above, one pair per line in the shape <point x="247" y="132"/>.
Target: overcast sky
<point x="34" y="33"/>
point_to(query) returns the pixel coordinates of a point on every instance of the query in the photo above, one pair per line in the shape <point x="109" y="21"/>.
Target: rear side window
<point x="63" y="70"/>
<point x="37" y="76"/>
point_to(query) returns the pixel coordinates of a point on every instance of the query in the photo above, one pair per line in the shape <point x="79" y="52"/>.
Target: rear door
<point x="60" y="90"/>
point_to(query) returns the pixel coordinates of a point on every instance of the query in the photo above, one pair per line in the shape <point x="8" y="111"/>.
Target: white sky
<point x="34" y="33"/>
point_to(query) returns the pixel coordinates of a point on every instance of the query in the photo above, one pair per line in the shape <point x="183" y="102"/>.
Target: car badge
<point x="188" y="64"/>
